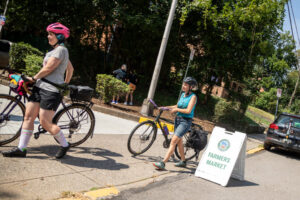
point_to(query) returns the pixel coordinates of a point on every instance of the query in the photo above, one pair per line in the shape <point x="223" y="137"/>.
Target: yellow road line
<point x="95" y="194"/>
<point x="170" y="126"/>
<point x="255" y="150"/>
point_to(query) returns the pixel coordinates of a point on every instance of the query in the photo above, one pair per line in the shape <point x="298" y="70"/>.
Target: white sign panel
<point x="279" y="91"/>
<point x="224" y="157"/>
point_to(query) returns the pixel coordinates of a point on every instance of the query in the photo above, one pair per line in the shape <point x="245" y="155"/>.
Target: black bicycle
<point x="144" y="134"/>
<point x="76" y="120"/>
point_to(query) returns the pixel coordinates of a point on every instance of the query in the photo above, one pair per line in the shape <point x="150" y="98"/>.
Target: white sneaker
<point x="125" y="103"/>
<point x="131" y="103"/>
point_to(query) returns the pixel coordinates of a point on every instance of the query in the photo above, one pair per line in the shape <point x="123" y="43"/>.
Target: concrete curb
<point x="116" y="113"/>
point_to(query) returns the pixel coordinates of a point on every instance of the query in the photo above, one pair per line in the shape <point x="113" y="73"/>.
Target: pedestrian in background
<point x="132" y="81"/>
<point x="121" y="75"/>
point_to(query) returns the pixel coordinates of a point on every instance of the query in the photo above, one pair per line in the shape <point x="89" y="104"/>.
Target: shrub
<point x="33" y="64"/>
<point x="18" y="53"/>
<point x="267" y="100"/>
<point x="225" y="111"/>
<point x="108" y="86"/>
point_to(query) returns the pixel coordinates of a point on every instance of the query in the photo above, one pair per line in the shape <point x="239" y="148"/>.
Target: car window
<point x="284" y="120"/>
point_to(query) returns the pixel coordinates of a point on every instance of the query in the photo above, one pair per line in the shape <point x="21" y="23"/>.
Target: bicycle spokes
<point x="76" y="122"/>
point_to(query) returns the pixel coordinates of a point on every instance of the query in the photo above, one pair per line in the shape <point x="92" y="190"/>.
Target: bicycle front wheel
<point x="12" y="114"/>
<point x="77" y="122"/>
<point x="189" y="152"/>
<point x="141" y="137"/>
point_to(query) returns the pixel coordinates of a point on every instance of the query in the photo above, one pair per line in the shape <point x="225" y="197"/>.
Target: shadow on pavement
<point x="8" y="195"/>
<point x="87" y="157"/>
<point x="148" y="158"/>
<point x="286" y="153"/>
<point x="236" y="183"/>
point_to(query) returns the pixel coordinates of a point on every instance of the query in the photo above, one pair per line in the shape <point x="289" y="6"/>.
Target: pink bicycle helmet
<point x="58" y="28"/>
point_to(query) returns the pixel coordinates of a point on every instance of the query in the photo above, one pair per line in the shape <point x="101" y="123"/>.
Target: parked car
<point x="4" y="52"/>
<point x="284" y="133"/>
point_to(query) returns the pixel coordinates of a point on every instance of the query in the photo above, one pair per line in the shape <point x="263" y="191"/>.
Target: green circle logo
<point x="223" y="145"/>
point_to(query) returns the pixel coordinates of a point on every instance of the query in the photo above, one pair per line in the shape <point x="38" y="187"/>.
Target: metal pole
<point x="4" y="15"/>
<point x="276" y="108"/>
<point x="187" y="69"/>
<point x="146" y="106"/>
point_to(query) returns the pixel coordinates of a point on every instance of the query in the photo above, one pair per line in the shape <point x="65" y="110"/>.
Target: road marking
<point x="170" y="126"/>
<point x="255" y="150"/>
<point x="95" y="194"/>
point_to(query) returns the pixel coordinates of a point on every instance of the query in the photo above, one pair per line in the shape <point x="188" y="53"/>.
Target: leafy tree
<point x="230" y="35"/>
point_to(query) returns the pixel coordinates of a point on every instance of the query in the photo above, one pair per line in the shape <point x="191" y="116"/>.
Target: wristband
<point x="33" y="79"/>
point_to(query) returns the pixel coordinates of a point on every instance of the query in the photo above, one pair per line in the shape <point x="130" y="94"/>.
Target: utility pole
<point x="187" y="69"/>
<point x="146" y="106"/>
<point x="3" y="16"/>
<point x="289" y="3"/>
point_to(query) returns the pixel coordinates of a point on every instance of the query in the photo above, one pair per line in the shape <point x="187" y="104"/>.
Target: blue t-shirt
<point x="183" y="103"/>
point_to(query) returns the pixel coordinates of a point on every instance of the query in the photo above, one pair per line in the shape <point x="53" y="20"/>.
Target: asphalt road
<point x="271" y="175"/>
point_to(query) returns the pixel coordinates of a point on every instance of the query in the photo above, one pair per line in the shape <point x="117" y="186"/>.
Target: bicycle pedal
<point x="36" y="136"/>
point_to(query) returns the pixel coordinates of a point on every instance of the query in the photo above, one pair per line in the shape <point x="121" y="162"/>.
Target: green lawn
<point x="259" y="116"/>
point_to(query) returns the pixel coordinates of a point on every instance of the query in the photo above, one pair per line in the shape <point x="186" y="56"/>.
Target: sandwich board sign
<point x="224" y="157"/>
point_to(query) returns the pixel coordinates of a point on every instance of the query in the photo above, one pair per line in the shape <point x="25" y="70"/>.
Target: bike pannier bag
<point x="81" y="93"/>
<point x="198" y="140"/>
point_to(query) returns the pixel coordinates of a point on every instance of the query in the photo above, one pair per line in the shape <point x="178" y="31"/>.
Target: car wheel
<point x="267" y="146"/>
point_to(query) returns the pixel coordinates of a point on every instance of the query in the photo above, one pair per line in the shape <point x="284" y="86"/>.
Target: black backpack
<point x="197" y="140"/>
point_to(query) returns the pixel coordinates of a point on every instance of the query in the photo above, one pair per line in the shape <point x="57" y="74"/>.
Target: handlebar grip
<point x="151" y="101"/>
<point x="24" y="78"/>
<point x="164" y="108"/>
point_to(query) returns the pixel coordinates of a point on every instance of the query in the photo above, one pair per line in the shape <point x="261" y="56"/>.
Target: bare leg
<point x="174" y="141"/>
<point x="131" y="96"/>
<point x="181" y="149"/>
<point x="31" y="113"/>
<point x="127" y="94"/>
<point x="46" y="121"/>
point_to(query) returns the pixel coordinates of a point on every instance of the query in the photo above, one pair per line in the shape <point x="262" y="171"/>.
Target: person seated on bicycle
<point x="45" y="97"/>
<point x="183" y="121"/>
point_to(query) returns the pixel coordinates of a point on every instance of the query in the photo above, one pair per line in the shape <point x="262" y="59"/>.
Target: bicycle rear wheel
<point x="12" y="114"/>
<point x="77" y="122"/>
<point x="142" y="137"/>
<point x="189" y="152"/>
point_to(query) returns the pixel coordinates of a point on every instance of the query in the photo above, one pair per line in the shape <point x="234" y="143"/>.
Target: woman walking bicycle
<point x="183" y="121"/>
<point x="46" y="97"/>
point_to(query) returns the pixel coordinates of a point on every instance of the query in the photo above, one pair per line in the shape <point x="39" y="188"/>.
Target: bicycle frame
<point x="157" y="120"/>
<point x="41" y="130"/>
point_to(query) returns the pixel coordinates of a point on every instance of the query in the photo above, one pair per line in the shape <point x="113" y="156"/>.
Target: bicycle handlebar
<point x="160" y="108"/>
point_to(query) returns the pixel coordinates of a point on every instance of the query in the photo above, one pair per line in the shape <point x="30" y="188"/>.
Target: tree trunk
<point x="207" y="94"/>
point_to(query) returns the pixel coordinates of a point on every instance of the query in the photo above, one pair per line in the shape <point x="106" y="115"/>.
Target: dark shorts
<point x="48" y="100"/>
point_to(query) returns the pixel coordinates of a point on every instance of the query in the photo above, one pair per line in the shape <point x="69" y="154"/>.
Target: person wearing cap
<point x="184" y="114"/>
<point x="45" y="97"/>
